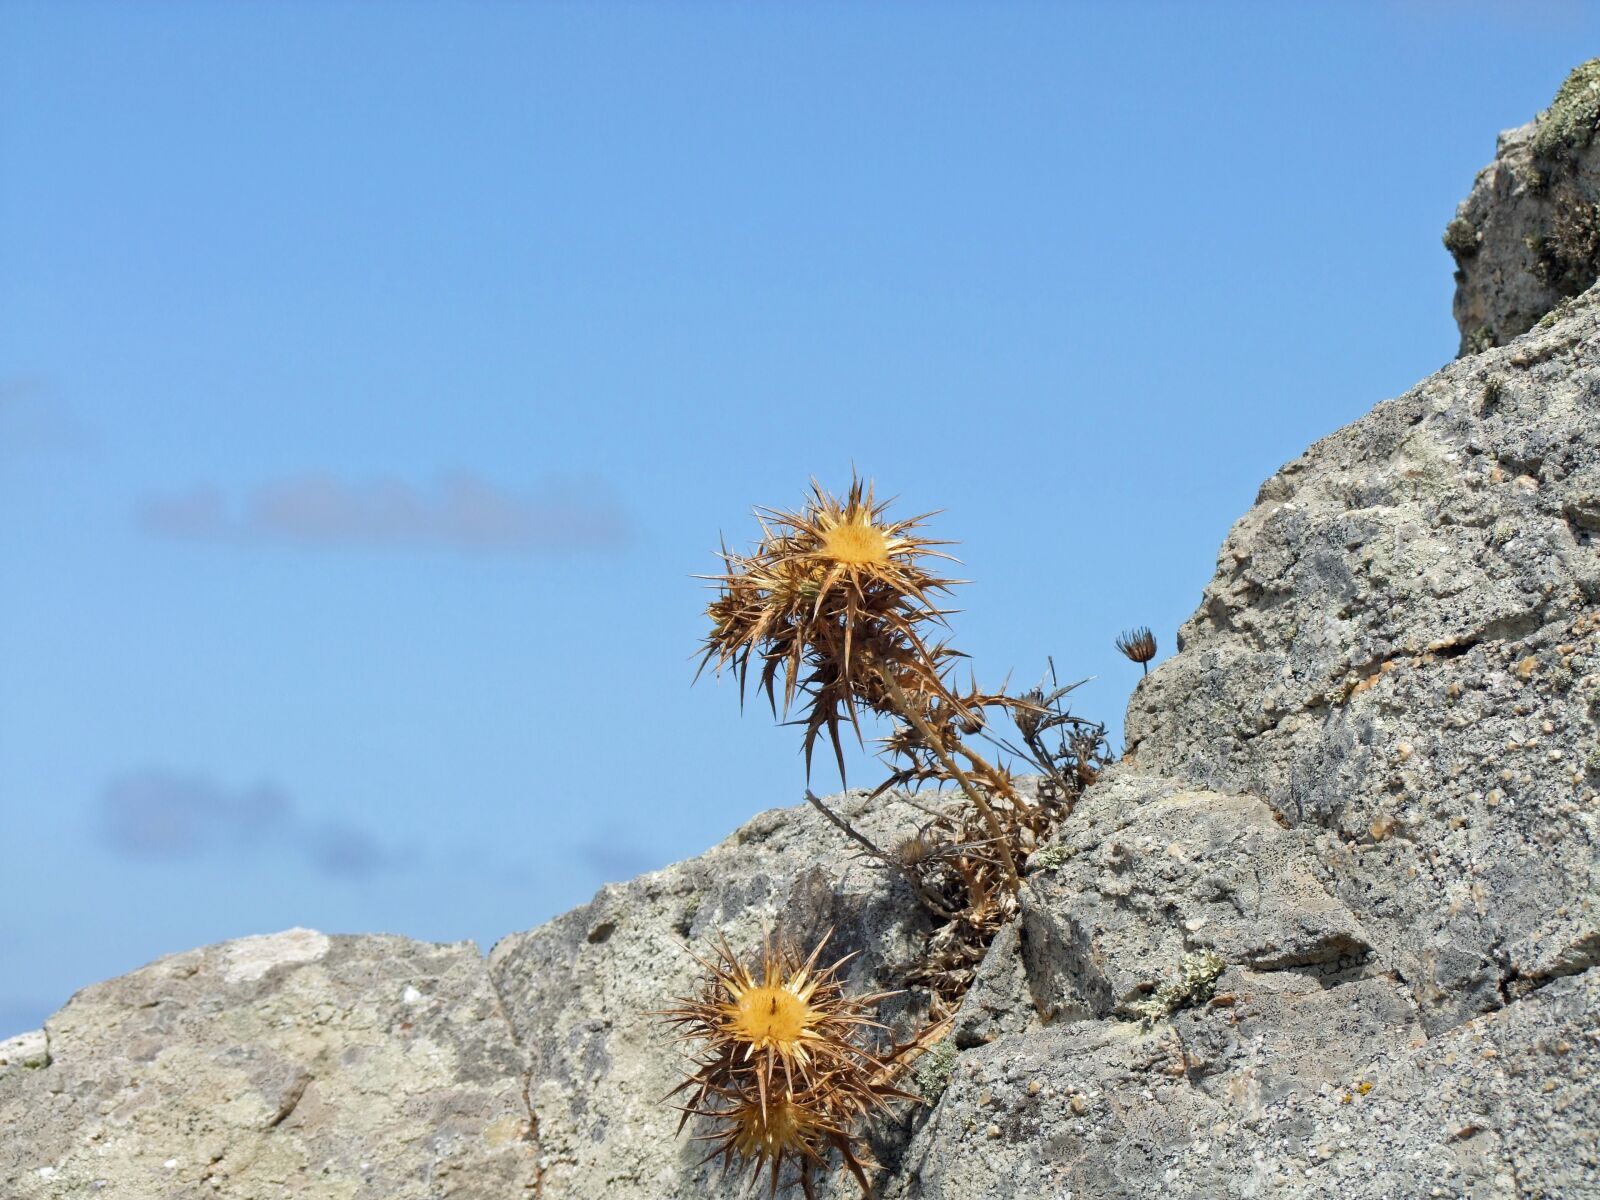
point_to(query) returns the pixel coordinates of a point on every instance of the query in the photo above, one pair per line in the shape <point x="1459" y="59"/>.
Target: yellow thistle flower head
<point x="831" y="593"/>
<point x="792" y="1019"/>
<point x="782" y="1071"/>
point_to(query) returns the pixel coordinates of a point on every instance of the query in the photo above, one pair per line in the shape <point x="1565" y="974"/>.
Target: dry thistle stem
<point x="840" y="601"/>
<point x="837" y="599"/>
<point x="1139" y="645"/>
<point x="781" y="1068"/>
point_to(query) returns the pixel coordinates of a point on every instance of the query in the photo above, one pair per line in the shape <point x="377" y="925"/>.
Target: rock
<point x="294" y="1064"/>
<point x="1332" y="927"/>
<point x="582" y="990"/>
<point x="1159" y="874"/>
<point x="1528" y="235"/>
<point x="26" y="1050"/>
<point x="990" y="1007"/>
<point x="1293" y="1091"/>
<point x="1403" y="636"/>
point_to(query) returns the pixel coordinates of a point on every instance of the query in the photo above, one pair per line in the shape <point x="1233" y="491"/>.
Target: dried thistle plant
<point x="841" y="605"/>
<point x="832" y="596"/>
<point x="782" y="1069"/>
<point x="1139" y="645"/>
<point x="838" y="600"/>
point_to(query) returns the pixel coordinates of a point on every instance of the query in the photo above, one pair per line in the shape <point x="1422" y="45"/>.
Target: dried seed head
<point x="1138" y="644"/>
<point x="830" y="594"/>
<point x="1029" y="711"/>
<point x="782" y="1071"/>
<point x="916" y="850"/>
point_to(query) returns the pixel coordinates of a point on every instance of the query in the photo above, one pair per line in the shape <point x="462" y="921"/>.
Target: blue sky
<point x="374" y="378"/>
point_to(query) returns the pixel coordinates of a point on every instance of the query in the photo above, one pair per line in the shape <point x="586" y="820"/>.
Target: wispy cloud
<point x="157" y="815"/>
<point x="34" y="420"/>
<point x="459" y="512"/>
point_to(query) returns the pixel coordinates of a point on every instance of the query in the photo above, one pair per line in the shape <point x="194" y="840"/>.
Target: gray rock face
<point x="581" y="990"/>
<point x="1288" y="1089"/>
<point x="1367" y="781"/>
<point x="1401" y="649"/>
<point x="1528" y="235"/>
<point x="1332" y="927"/>
<point x="289" y="1065"/>
<point x="1156" y="874"/>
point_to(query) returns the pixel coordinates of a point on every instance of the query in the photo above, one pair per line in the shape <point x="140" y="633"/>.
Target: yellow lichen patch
<point x="1371" y="680"/>
<point x="503" y="1132"/>
<point x="1527" y="667"/>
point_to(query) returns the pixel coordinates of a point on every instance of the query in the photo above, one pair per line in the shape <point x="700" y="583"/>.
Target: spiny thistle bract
<point x="831" y="595"/>
<point x="838" y="589"/>
<point x="781" y="1067"/>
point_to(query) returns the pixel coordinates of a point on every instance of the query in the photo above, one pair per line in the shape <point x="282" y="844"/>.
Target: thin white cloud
<point x="156" y="815"/>
<point x="460" y="512"/>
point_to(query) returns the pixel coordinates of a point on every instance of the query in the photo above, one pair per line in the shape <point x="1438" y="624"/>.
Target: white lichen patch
<point x="250" y="958"/>
<point x="1197" y="978"/>
<point x="30" y="1049"/>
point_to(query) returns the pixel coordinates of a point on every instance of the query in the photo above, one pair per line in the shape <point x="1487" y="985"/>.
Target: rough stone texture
<point x="26" y="1050"/>
<point x="1401" y="649"/>
<point x="1279" y="1088"/>
<point x="581" y="990"/>
<point x="1528" y="235"/>
<point x="1367" y="782"/>
<point x="293" y="1064"/>
<point x="1154" y="874"/>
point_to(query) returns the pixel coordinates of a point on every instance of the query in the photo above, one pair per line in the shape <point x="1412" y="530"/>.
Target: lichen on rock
<point x="1573" y="118"/>
<point x="1194" y="984"/>
<point x="1528" y="235"/>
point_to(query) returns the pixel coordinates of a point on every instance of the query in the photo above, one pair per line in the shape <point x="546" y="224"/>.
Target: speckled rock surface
<point x="581" y="989"/>
<point x="1401" y="650"/>
<point x="1279" y="1087"/>
<point x="26" y="1050"/>
<point x="288" y="1065"/>
<point x="1528" y="235"/>
<point x="1155" y="874"/>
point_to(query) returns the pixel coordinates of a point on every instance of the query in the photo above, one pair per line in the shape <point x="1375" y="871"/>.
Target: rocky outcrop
<point x="581" y="990"/>
<point x="1332" y="927"/>
<point x="294" y="1064"/>
<point x="1368" y="782"/>
<point x="1528" y="235"/>
<point x="1401" y="648"/>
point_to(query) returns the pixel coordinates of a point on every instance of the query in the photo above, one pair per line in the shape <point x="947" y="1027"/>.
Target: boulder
<point x="294" y="1064"/>
<point x="1528" y="234"/>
